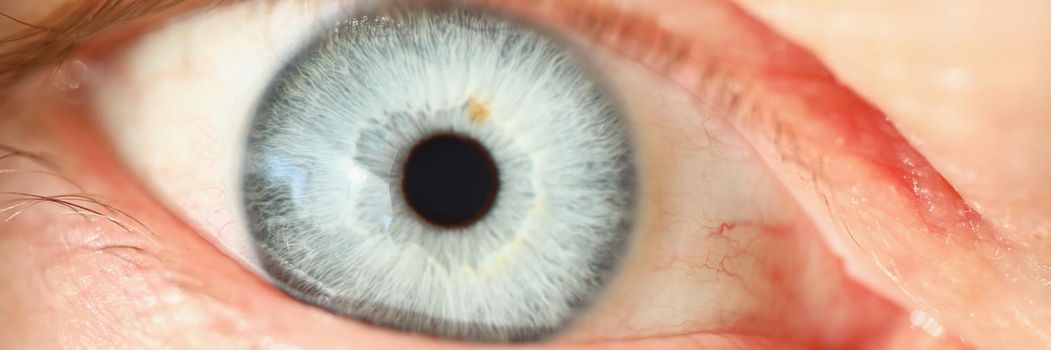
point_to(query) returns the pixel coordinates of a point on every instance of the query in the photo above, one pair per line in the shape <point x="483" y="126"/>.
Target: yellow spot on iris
<point x="477" y="111"/>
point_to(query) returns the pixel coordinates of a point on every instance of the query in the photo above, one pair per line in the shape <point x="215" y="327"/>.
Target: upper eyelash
<point x="53" y="39"/>
<point x="638" y="37"/>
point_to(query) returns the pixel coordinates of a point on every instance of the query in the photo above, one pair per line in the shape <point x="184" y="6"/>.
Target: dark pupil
<point x="450" y="180"/>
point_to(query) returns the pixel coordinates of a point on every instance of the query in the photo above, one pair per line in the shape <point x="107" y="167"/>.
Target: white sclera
<point x="178" y="104"/>
<point x="195" y="84"/>
<point x="195" y="92"/>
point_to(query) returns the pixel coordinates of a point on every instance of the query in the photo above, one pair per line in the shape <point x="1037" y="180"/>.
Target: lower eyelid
<point x="91" y="281"/>
<point x="161" y="300"/>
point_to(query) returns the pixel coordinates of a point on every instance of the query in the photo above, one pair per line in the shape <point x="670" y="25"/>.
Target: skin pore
<point x="969" y="248"/>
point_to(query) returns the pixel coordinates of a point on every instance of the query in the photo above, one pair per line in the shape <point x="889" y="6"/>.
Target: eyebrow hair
<point x="50" y="41"/>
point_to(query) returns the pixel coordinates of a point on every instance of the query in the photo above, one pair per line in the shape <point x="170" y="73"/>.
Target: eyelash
<point x="646" y="42"/>
<point x="727" y="89"/>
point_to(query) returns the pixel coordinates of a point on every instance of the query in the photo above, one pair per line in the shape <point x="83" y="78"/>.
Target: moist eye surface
<point x="441" y="170"/>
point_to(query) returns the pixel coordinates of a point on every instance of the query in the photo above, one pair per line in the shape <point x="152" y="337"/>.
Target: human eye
<point x="685" y="235"/>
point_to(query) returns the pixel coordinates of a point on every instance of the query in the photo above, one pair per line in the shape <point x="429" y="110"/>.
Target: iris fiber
<point x="337" y="207"/>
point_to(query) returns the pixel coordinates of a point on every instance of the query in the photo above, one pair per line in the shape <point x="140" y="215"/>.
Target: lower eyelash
<point x="77" y="202"/>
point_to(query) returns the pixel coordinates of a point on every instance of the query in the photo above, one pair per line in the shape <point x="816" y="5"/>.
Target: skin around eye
<point x="157" y="218"/>
<point x="938" y="231"/>
<point x="976" y="105"/>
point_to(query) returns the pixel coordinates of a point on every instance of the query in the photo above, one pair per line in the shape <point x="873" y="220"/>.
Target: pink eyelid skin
<point x="814" y="132"/>
<point x="904" y="228"/>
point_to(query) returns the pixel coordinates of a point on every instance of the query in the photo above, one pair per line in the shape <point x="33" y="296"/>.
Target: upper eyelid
<point x="49" y="40"/>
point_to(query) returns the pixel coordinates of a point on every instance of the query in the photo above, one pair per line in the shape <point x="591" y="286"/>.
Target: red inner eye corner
<point x="846" y="163"/>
